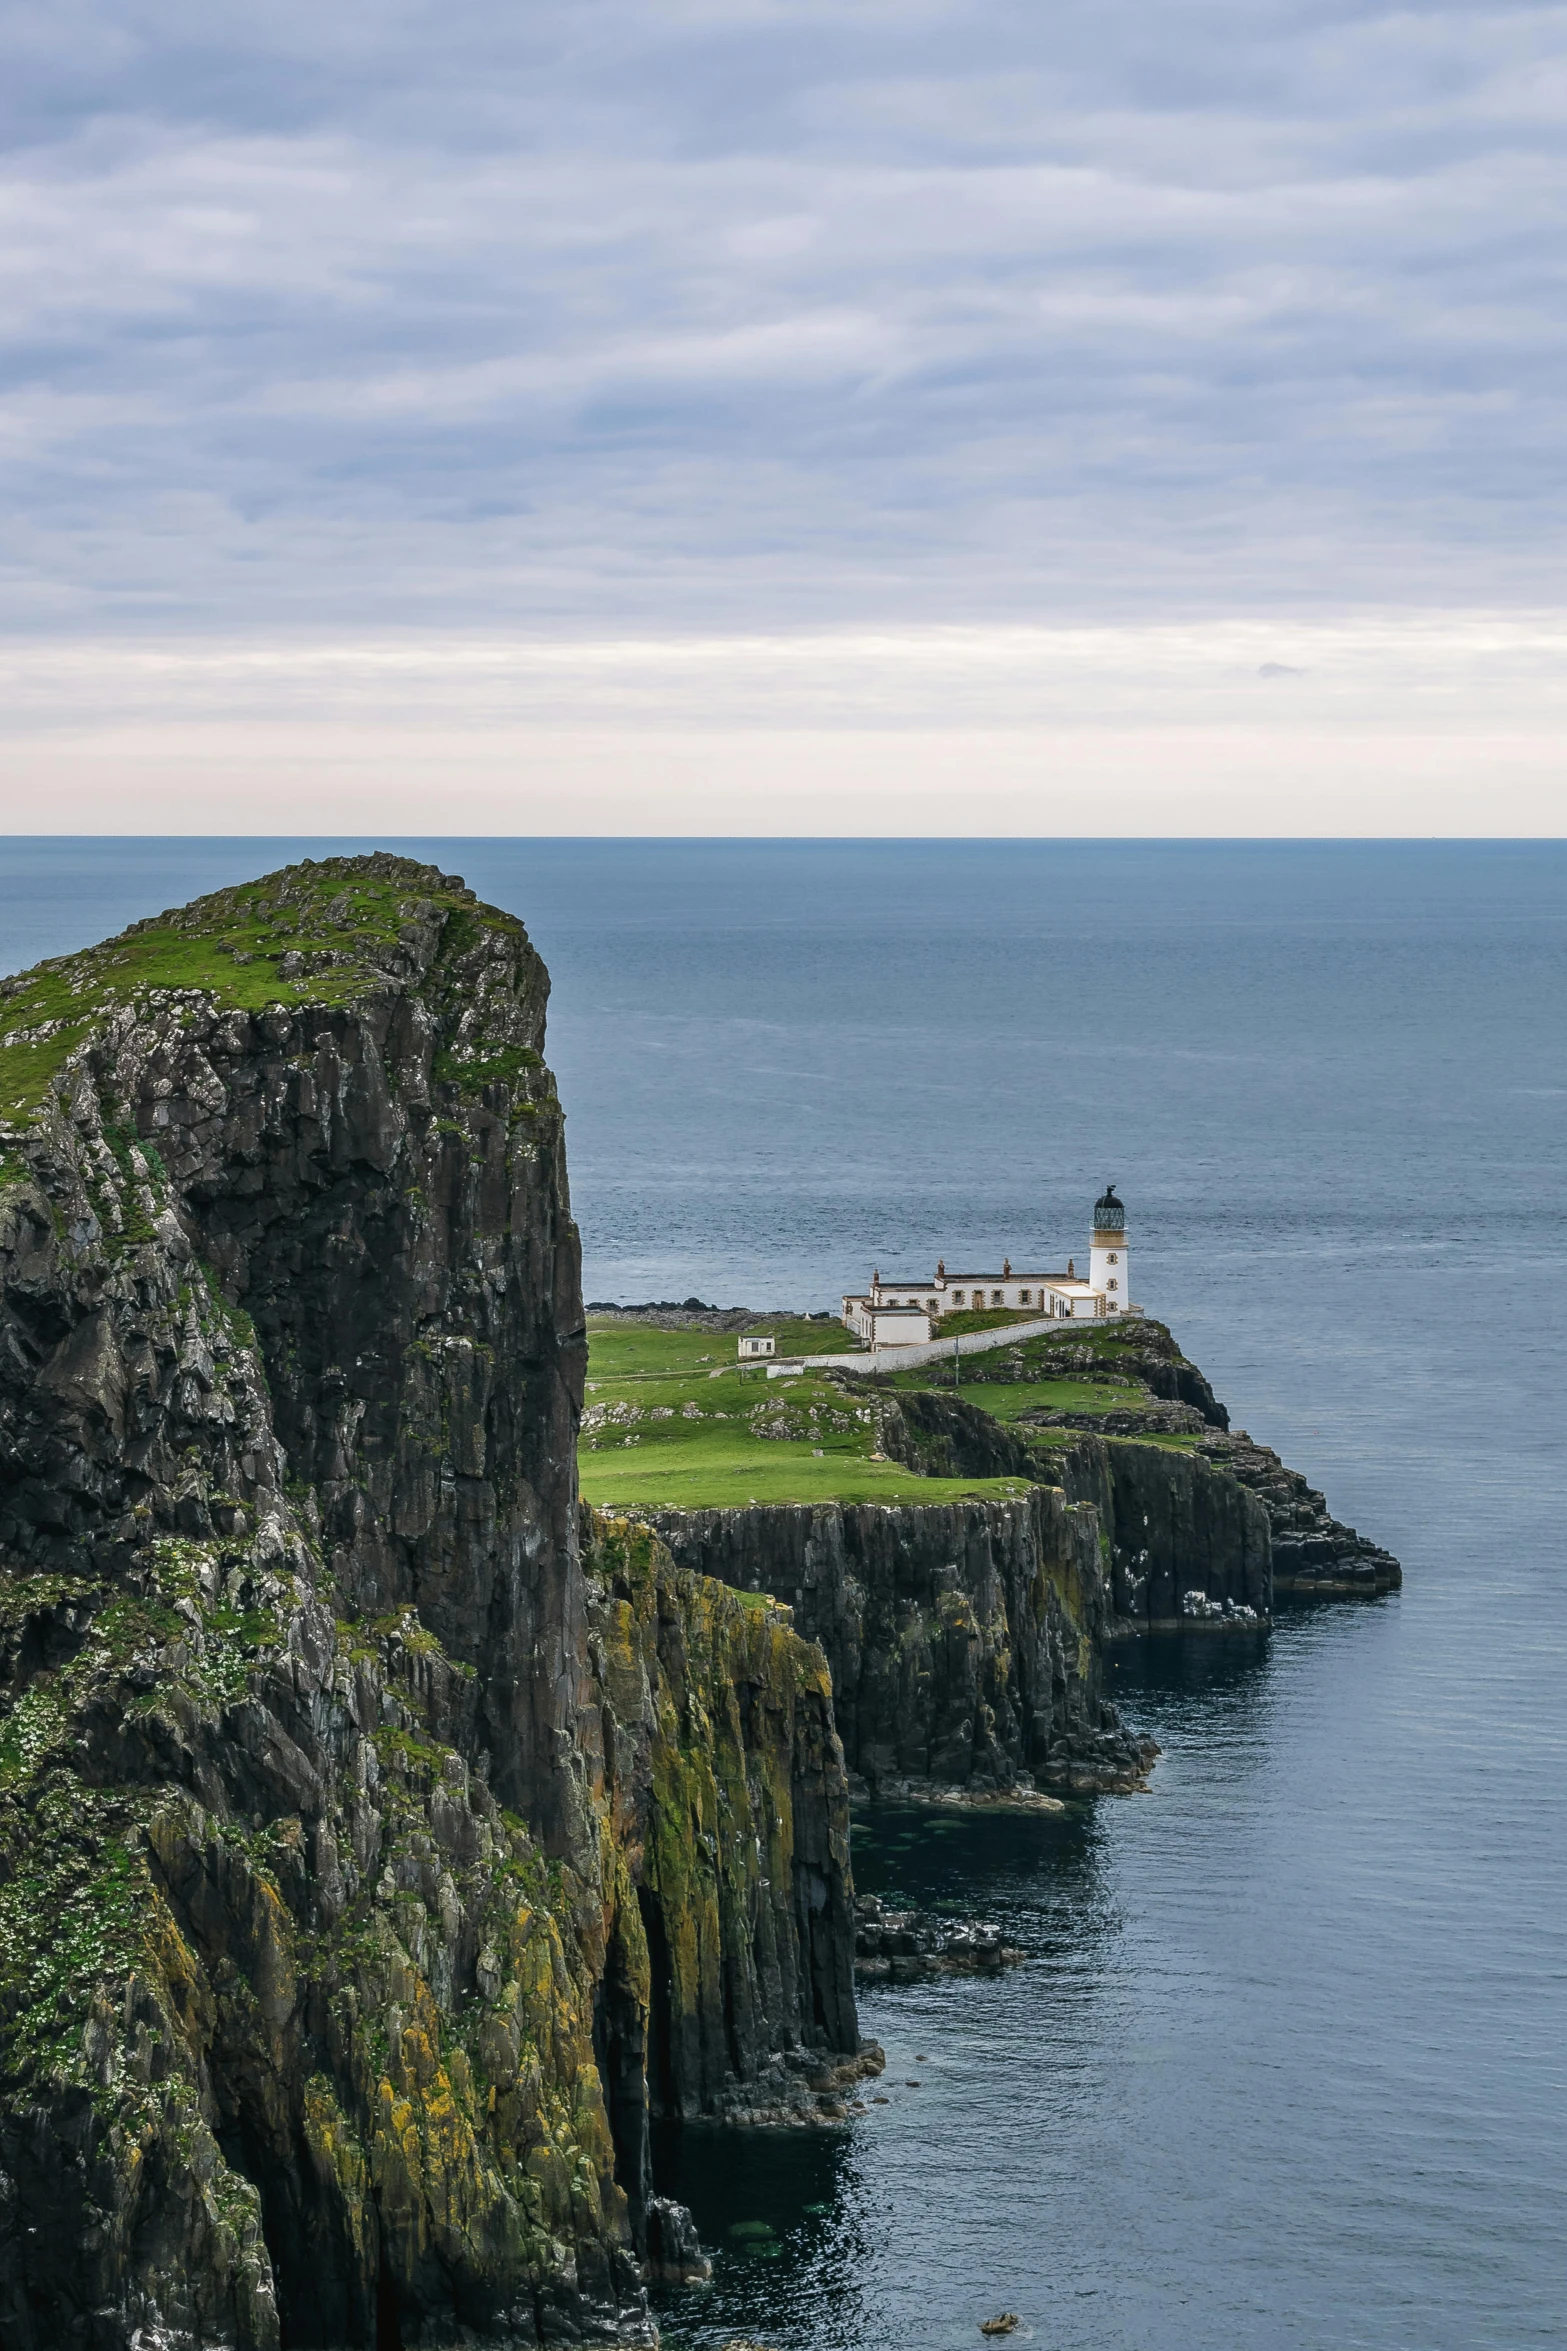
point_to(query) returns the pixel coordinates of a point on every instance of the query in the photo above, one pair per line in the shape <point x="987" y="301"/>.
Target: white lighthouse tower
<point x="1107" y="1260"/>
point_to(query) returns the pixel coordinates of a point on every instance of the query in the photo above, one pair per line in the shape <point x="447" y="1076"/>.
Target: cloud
<point x="893" y="323"/>
<point x="1415" y="722"/>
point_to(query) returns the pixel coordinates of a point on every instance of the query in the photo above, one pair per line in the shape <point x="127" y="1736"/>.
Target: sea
<point x="1283" y="2069"/>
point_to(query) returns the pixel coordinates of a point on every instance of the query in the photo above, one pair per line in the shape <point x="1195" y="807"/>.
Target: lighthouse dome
<point x="1109" y="1212"/>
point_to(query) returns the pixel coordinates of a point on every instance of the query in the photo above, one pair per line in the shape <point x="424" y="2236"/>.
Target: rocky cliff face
<point x="730" y="1808"/>
<point x="1200" y="1538"/>
<point x="1189" y="1544"/>
<point x="1185" y="1541"/>
<point x="965" y="1639"/>
<point x="1314" y="1553"/>
<point x="354" y="1908"/>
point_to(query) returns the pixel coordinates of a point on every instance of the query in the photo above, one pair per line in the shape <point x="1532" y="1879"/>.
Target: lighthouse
<point x="1107" y="1266"/>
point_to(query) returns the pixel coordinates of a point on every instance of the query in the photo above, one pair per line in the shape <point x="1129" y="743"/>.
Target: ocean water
<point x="1285" y="2063"/>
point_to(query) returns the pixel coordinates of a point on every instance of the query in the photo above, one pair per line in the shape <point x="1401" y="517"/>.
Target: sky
<point x="729" y="416"/>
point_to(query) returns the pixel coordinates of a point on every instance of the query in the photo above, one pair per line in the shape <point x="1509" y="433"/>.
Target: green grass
<point x="1009" y="1400"/>
<point x="702" y="1478"/>
<point x="633" y="1350"/>
<point x="1107" y="1341"/>
<point x="1168" y="1440"/>
<point x="674" y="1423"/>
<point x="1008" y="1381"/>
<point x="1108" y="1346"/>
<point x="228" y="946"/>
<point x="982" y="1318"/>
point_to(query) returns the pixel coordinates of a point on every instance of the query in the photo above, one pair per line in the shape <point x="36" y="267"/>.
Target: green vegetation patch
<point x="336" y="921"/>
<point x="982" y="1318"/>
<point x="1090" y="1369"/>
<point x="73" y="1911"/>
<point x="629" y="1350"/>
<point x="701" y="1480"/>
<point x="1167" y="1440"/>
<point x="674" y="1422"/>
<point x="497" y="1065"/>
<point x="1107" y="1343"/>
<point x="699" y="1434"/>
<point x="1008" y="1400"/>
<point x="186" y="1650"/>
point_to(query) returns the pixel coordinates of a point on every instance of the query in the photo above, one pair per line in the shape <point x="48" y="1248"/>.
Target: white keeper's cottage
<point x="905" y="1314"/>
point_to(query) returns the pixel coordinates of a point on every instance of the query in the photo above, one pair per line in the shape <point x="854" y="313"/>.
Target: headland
<point x="414" y="1785"/>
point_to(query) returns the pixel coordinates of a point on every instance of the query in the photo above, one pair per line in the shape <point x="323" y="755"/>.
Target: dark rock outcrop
<point x="1314" y="1554"/>
<point x="345" y="1885"/>
<point x="730" y="1808"/>
<point x="1189" y="1543"/>
<point x="943" y="1436"/>
<point x="910" y="1946"/>
<point x="1190" y="1546"/>
<point x="965" y="1639"/>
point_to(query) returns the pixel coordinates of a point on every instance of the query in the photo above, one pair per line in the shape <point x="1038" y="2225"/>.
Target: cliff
<point x="730" y="1811"/>
<point x="966" y="1640"/>
<point x="374" y="1856"/>
<point x="1189" y="1544"/>
<point x="1314" y="1553"/>
<point x="1184" y="1540"/>
<point x="1166" y="1395"/>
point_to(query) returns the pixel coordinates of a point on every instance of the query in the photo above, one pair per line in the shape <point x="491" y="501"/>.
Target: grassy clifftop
<point x="674" y="1422"/>
<point x="1090" y="1370"/>
<point x="316" y="933"/>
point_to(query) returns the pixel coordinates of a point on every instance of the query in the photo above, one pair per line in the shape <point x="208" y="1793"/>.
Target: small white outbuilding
<point x="751" y="1348"/>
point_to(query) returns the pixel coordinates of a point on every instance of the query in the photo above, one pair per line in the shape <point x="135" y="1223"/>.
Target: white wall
<point x="946" y="1293"/>
<point x="898" y="1329"/>
<point x="1107" y="1263"/>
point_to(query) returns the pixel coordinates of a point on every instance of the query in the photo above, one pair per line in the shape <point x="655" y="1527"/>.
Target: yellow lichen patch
<point x="341" y="2170"/>
<point x="187" y="1996"/>
<point x="398" y="2175"/>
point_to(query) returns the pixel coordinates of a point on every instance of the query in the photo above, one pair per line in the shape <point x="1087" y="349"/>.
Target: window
<point x="957" y="1297"/>
<point x="996" y="1298"/>
<point x="1112" y="1283"/>
<point x="1023" y="1297"/>
<point x="930" y="1306"/>
<point x="1114" y="1260"/>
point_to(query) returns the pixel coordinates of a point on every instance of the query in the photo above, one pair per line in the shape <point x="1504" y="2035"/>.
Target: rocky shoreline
<point x="912" y="1946"/>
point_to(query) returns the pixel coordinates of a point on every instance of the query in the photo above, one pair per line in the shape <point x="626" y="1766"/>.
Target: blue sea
<point x="1284" y="2068"/>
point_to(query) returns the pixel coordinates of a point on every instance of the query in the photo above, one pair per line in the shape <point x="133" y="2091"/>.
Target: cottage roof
<point x="1018" y="1274"/>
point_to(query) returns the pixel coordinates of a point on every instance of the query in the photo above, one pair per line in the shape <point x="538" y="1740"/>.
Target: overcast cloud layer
<point x="462" y="330"/>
